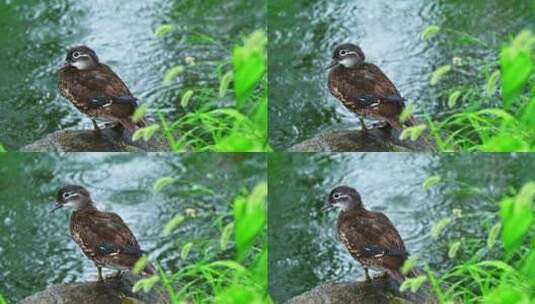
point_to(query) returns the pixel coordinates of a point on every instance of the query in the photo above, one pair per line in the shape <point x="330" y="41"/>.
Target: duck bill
<point x="332" y="64"/>
<point x="65" y="64"/>
<point x="327" y="207"/>
<point x="56" y="207"/>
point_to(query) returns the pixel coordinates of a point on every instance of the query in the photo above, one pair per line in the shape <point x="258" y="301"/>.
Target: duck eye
<point x="336" y="195"/>
<point x="343" y="53"/>
<point x="75" y="55"/>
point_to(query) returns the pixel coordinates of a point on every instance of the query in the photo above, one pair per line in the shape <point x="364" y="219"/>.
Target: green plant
<point x="208" y="126"/>
<point x="242" y="279"/>
<point x="498" y="117"/>
<point x="498" y="269"/>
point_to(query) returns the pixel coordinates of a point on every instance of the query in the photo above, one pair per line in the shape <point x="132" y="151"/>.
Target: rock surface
<point x="111" y="291"/>
<point x="375" y="140"/>
<point x="378" y="291"/>
<point x="108" y="140"/>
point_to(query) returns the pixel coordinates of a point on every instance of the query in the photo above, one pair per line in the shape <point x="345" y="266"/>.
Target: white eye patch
<point x="68" y="195"/>
<point x="339" y="196"/>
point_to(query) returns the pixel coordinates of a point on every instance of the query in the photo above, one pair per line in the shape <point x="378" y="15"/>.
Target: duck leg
<point x="95" y="126"/>
<point x="363" y="125"/>
<point x="368" y="278"/>
<point x="99" y="270"/>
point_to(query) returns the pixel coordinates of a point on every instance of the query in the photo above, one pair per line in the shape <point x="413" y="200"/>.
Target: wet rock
<point x="110" y="139"/>
<point x="111" y="291"/>
<point x="375" y="140"/>
<point x="378" y="291"/>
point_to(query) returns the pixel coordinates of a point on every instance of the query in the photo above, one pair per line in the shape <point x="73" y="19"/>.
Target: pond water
<point x="35" y="247"/>
<point x="35" y="36"/>
<point x="303" y="34"/>
<point x="303" y="244"/>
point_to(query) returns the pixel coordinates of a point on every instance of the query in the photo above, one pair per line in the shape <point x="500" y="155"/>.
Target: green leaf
<point x="162" y="30"/>
<point x="528" y="115"/>
<point x="185" y="98"/>
<point x="172" y="224"/>
<point x="224" y="83"/>
<point x="138" y="134"/>
<point x="139" y="113"/>
<point x="430" y="32"/>
<point x="172" y="73"/>
<point x="145" y="284"/>
<point x="2" y="149"/>
<point x="149" y="131"/>
<point x="146" y="132"/>
<point x="249" y="219"/>
<point x="140" y="265"/>
<point x="225" y="235"/>
<point x="439" y="73"/>
<point x="452" y="100"/>
<point x="529" y="265"/>
<point x="413" y="283"/>
<point x="504" y="294"/>
<point x="412" y="132"/>
<point x="406" y="113"/>
<point x="249" y="63"/>
<point x="408" y="265"/>
<point x="493" y="235"/>
<point x="184" y="253"/>
<point x="439" y="227"/>
<point x="163" y="182"/>
<point x="516" y="65"/>
<point x="454" y="247"/>
<point x="517" y="215"/>
<point x="492" y="83"/>
<point x="431" y="181"/>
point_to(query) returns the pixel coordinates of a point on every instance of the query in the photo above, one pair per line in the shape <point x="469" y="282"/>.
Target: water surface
<point x="304" y="248"/>
<point x="303" y="34"/>
<point x="35" y="247"/>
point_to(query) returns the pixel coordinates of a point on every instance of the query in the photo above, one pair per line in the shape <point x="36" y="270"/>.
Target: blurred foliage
<point x="211" y="122"/>
<point x="499" y="269"/>
<point x="496" y="117"/>
<point x="243" y="279"/>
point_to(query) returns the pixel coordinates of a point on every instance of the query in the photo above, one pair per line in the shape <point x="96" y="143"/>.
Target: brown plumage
<point x="95" y="90"/>
<point x="102" y="236"/>
<point x="370" y="237"/>
<point x="364" y="89"/>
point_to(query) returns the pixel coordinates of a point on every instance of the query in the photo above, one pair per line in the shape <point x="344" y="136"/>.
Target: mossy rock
<point x="380" y="290"/>
<point x="111" y="291"/>
<point x="377" y="139"/>
<point x="110" y="139"/>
